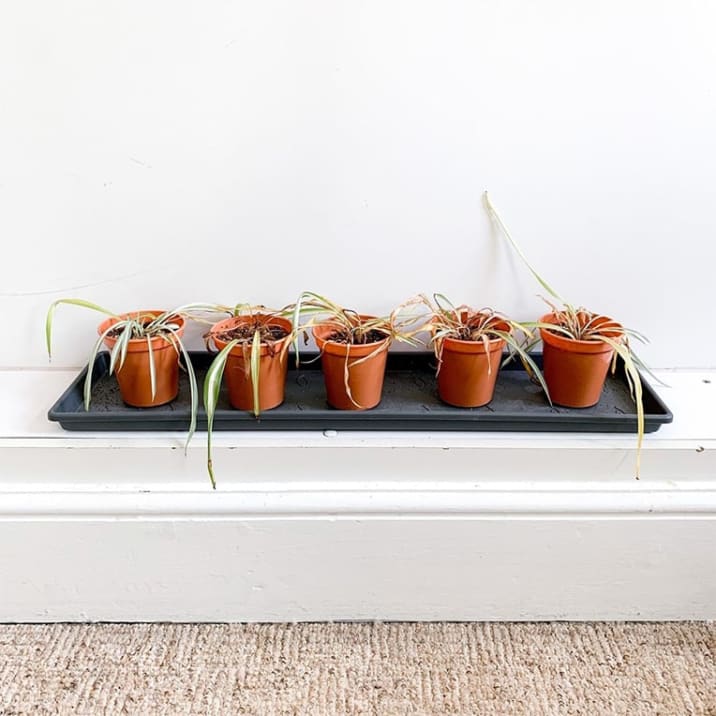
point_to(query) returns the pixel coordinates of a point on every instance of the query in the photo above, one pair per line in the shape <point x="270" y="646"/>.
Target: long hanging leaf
<point x="486" y="345"/>
<point x="296" y="321"/>
<point x="72" y="302"/>
<point x="642" y="366"/>
<point x="256" y="370"/>
<point x="212" y="387"/>
<point x="383" y="346"/>
<point x="530" y="366"/>
<point x="496" y="217"/>
<point x="152" y="369"/>
<point x="634" y="381"/>
<point x="438" y="349"/>
<point x="347" y="381"/>
<point x="193" y="387"/>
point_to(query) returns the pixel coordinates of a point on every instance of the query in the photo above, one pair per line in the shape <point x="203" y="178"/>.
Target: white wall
<point x="162" y="152"/>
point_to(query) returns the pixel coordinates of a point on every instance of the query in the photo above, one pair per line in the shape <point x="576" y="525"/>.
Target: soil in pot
<point x="468" y="369"/>
<point x="364" y="363"/>
<point x="273" y="365"/>
<point x="574" y="370"/>
<point x="134" y="377"/>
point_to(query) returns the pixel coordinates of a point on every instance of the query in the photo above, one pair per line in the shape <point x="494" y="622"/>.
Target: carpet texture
<point x="318" y="669"/>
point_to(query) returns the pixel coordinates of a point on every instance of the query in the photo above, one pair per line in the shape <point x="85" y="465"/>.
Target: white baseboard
<point x="323" y="569"/>
<point x="304" y="527"/>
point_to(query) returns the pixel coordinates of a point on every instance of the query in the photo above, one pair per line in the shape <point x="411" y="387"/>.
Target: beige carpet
<point x="359" y="669"/>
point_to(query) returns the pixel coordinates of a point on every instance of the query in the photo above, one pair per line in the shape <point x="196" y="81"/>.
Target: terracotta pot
<point x="272" y="366"/>
<point x="468" y="371"/>
<point x="575" y="371"/>
<point x="365" y="378"/>
<point x="134" y="378"/>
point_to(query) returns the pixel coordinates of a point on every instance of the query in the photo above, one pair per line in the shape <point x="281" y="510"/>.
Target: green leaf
<point x="296" y="321"/>
<point x="73" y="302"/>
<point x="193" y="387"/>
<point x="256" y="370"/>
<point x="634" y="380"/>
<point x="90" y="367"/>
<point x="152" y="369"/>
<point x="496" y="218"/>
<point x="527" y="361"/>
<point x="446" y="308"/>
<point x="486" y="345"/>
<point x="212" y="387"/>
<point x="115" y="360"/>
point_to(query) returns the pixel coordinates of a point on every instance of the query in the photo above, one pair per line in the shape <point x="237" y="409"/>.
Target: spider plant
<point x="354" y="329"/>
<point x="580" y="324"/>
<point x="464" y="323"/>
<point x="137" y="325"/>
<point x="258" y="334"/>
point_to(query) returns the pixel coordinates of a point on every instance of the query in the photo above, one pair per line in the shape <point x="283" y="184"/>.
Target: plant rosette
<point x="353" y="372"/>
<point x="144" y="352"/>
<point x="575" y="370"/>
<point x="353" y="346"/>
<point x="134" y="371"/>
<point x="468" y="368"/>
<point x="275" y="335"/>
<point x="574" y="339"/>
<point x="468" y="346"/>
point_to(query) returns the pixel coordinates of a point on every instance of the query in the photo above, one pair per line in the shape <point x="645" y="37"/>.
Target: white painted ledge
<point x="369" y="501"/>
<point x="357" y="525"/>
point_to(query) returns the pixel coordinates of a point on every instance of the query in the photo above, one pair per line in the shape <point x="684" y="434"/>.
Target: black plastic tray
<point x="410" y="402"/>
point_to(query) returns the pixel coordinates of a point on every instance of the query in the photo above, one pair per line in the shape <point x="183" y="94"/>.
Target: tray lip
<point x="460" y="421"/>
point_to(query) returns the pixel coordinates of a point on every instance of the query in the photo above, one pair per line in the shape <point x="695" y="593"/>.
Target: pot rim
<point x="239" y="350"/>
<point x="137" y="344"/>
<point x="232" y="321"/>
<point x="338" y="348"/>
<point x="466" y="343"/>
